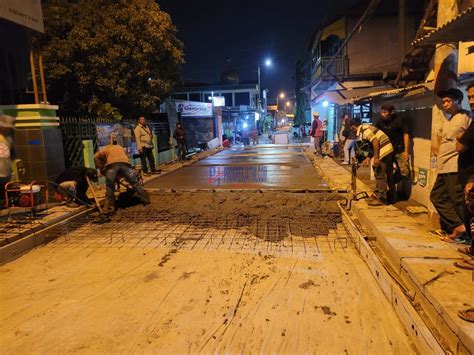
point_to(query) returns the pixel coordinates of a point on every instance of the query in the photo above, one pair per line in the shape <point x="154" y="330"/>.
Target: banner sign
<point x="27" y="13"/>
<point x="193" y="108"/>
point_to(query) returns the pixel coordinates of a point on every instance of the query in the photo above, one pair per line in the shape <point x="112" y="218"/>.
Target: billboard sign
<point x="218" y="101"/>
<point x="193" y="108"/>
<point x="27" y="13"/>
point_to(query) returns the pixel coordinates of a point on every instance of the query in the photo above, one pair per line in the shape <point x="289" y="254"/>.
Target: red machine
<point x="18" y="194"/>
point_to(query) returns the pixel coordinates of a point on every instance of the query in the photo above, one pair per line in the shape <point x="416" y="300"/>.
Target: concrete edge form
<point x="411" y="320"/>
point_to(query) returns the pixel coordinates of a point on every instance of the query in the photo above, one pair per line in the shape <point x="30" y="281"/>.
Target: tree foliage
<point x="109" y="56"/>
<point x="302" y="102"/>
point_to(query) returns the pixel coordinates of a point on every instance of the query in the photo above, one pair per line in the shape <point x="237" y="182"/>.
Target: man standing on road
<point x="349" y="138"/>
<point x="465" y="147"/>
<point x="447" y="194"/>
<point x="144" y="139"/>
<point x="179" y="134"/>
<point x="382" y="163"/>
<point x="113" y="161"/>
<point x="316" y="133"/>
<point x="395" y="127"/>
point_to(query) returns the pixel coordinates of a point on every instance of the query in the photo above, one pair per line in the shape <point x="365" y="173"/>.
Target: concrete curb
<point x="423" y="264"/>
<point x="37" y="235"/>
<point x="413" y="323"/>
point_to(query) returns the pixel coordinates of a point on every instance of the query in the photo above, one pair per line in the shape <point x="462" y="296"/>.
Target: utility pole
<point x="259" y="100"/>
<point x="402" y="38"/>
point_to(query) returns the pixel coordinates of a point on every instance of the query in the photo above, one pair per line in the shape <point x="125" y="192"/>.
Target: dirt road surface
<point x="165" y="280"/>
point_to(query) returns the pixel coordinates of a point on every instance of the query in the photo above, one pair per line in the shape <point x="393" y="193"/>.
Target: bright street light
<point x="280" y="96"/>
<point x="325" y="103"/>
<point x="268" y="63"/>
<point x="288" y="103"/>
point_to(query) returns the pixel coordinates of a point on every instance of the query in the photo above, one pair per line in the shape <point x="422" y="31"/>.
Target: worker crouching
<point x="112" y="161"/>
<point x="72" y="185"/>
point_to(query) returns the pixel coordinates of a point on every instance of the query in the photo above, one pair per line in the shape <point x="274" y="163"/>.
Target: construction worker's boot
<point x="144" y="197"/>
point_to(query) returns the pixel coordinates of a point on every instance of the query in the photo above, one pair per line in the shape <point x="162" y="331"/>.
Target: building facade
<point x="348" y="61"/>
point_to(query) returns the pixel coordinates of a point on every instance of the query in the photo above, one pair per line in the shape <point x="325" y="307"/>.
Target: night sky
<point x="248" y="32"/>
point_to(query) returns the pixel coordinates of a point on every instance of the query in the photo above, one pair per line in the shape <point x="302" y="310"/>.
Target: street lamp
<point x="281" y="96"/>
<point x="268" y="63"/>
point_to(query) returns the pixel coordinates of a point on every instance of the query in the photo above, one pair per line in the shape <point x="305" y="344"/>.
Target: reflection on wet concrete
<point x="252" y="168"/>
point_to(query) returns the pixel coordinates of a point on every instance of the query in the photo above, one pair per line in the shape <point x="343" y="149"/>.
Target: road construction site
<point x="245" y="251"/>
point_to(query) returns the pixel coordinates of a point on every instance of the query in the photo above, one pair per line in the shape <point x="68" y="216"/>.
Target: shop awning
<point x="459" y="29"/>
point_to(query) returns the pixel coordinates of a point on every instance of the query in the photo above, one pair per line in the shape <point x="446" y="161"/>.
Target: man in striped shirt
<point x="383" y="160"/>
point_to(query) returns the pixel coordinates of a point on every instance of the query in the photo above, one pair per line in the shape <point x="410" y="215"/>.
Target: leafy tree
<point x="302" y="103"/>
<point x="109" y="57"/>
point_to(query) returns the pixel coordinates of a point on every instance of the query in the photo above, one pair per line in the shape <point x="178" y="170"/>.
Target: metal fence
<point x="76" y="129"/>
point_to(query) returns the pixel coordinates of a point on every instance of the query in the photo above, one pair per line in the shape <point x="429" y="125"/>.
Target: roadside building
<point x="422" y="75"/>
<point x="233" y="105"/>
<point x="353" y="54"/>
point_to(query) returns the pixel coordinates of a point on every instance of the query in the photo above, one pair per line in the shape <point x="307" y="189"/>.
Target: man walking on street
<point x="316" y="133"/>
<point x="382" y="163"/>
<point x="113" y="161"/>
<point x="144" y="139"/>
<point x="447" y="194"/>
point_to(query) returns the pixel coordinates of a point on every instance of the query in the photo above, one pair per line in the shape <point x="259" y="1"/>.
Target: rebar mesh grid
<point x="147" y="228"/>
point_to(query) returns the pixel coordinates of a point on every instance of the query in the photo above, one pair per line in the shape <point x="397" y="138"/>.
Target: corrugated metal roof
<point x="459" y="29"/>
<point x="427" y="86"/>
<point x="342" y="97"/>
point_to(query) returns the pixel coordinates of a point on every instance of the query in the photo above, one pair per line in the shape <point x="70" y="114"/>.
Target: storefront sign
<point x="25" y="12"/>
<point x="193" y="108"/>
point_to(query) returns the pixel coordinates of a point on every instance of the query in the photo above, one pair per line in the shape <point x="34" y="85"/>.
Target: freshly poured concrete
<point x="256" y="167"/>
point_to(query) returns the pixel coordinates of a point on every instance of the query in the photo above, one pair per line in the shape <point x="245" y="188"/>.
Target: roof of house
<point x="459" y="29"/>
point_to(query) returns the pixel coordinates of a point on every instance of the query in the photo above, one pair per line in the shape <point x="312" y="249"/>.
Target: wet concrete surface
<point x="254" y="167"/>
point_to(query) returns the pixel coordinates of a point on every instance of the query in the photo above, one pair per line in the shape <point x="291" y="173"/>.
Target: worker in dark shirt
<point x="72" y="184"/>
<point x="395" y="127"/>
